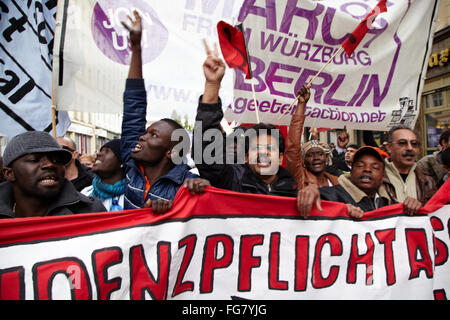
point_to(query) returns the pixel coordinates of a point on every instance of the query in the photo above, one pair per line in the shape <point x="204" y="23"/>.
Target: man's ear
<point x="281" y="157"/>
<point x="75" y="155"/>
<point x="388" y="147"/>
<point x="8" y="173"/>
<point x="168" y="154"/>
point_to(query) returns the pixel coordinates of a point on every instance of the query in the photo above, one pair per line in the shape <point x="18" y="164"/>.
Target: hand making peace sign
<point x="213" y="67"/>
<point x="214" y="70"/>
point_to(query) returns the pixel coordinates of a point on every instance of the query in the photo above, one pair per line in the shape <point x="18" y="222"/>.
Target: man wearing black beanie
<point x="109" y="181"/>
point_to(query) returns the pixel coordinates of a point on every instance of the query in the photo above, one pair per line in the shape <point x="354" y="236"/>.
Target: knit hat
<point x="114" y="145"/>
<point x="33" y="142"/>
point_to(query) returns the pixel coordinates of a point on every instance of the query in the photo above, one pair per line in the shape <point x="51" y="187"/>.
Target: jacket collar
<point x="356" y="193"/>
<point x="283" y="182"/>
<point x="389" y="166"/>
<point x="68" y="196"/>
<point x="177" y="174"/>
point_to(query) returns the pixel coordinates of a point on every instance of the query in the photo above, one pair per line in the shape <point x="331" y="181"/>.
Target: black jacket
<point x="85" y="176"/>
<point x="236" y="177"/>
<point x="240" y="178"/>
<point x="339" y="166"/>
<point x="347" y="192"/>
<point x="69" y="201"/>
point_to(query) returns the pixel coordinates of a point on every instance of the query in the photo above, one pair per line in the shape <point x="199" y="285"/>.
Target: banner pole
<point x="328" y="62"/>
<point x="312" y="79"/>
<point x="256" y="103"/>
<point x="53" y="79"/>
<point x="54" y="121"/>
<point x="53" y="108"/>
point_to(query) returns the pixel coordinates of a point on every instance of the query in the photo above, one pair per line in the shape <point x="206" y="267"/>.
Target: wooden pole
<point x="53" y="110"/>
<point x="256" y="102"/>
<point x="312" y="79"/>
<point x="54" y="121"/>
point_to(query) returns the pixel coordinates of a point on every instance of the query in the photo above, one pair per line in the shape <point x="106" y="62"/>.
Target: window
<point x="83" y="143"/>
<point x="436" y="123"/>
<point x="437" y="99"/>
<point x="428" y="101"/>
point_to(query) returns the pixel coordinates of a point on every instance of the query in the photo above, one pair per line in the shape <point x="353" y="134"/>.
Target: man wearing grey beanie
<point x="33" y="165"/>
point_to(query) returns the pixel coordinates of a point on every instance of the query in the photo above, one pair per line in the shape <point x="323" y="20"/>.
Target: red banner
<point x="224" y="244"/>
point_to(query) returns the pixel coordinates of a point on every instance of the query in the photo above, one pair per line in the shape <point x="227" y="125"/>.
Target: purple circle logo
<point x="112" y="38"/>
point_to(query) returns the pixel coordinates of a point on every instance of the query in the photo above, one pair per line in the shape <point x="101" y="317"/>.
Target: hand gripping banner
<point x="224" y="245"/>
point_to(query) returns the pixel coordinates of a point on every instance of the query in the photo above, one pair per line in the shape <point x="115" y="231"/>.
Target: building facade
<point x="91" y="130"/>
<point x="435" y="103"/>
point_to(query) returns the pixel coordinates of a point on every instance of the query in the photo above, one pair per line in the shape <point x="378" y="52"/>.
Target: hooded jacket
<point x="69" y="201"/>
<point x="133" y="126"/>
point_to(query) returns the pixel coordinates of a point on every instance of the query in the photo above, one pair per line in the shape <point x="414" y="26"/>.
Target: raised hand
<point x="135" y="30"/>
<point x="302" y="98"/>
<point x="304" y="94"/>
<point x="213" y="67"/>
<point x="313" y="133"/>
<point x="343" y="138"/>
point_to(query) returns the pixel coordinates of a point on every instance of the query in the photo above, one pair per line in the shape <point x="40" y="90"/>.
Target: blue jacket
<point x="133" y="126"/>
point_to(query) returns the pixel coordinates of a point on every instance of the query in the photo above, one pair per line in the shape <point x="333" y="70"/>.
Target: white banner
<point x="92" y="54"/>
<point x="224" y="245"/>
<point x="377" y="87"/>
<point x="26" y="43"/>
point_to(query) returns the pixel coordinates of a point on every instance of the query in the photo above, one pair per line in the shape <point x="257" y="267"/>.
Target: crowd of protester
<point x="43" y="176"/>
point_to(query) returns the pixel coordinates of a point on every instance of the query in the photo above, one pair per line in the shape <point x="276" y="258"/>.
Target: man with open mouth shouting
<point x="256" y="169"/>
<point x="153" y="179"/>
<point x="34" y="167"/>
<point x="260" y="149"/>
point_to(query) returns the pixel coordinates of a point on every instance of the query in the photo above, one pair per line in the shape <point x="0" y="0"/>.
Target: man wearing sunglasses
<point x="77" y="173"/>
<point x="402" y="176"/>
